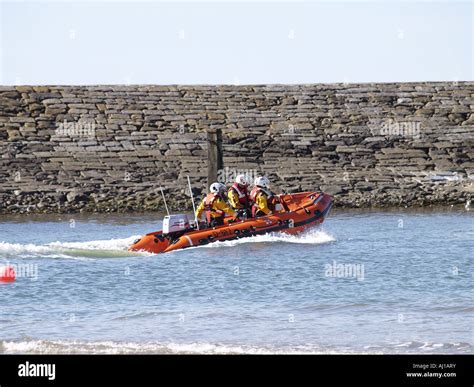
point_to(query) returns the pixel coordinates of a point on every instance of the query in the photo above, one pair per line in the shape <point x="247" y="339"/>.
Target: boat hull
<point x="301" y="211"/>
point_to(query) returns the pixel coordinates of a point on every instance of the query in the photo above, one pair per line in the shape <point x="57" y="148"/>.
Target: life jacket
<point x="243" y="195"/>
<point x="269" y="195"/>
<point x="209" y="200"/>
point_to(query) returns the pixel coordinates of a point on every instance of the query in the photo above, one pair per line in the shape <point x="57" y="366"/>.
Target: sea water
<point x="365" y="282"/>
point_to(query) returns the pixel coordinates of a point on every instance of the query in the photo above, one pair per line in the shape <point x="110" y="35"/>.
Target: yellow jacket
<point x="262" y="204"/>
<point x="235" y="194"/>
<point x="219" y="208"/>
<point x="234" y="199"/>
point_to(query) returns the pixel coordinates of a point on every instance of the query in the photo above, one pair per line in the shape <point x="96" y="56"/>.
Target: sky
<point x="224" y="42"/>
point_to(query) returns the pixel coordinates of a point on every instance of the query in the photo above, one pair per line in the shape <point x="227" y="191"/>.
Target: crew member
<point x="214" y="206"/>
<point x="239" y="197"/>
<point x="263" y="198"/>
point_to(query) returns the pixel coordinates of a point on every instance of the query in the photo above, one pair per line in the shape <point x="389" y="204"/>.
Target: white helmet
<point x="262" y="181"/>
<point x="217" y="187"/>
<point x="242" y="180"/>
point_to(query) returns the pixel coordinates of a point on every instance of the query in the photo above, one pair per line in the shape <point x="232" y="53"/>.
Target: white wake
<point x="93" y="249"/>
<point x="314" y="237"/>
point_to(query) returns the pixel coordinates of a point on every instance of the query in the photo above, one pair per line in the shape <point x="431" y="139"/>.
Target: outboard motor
<point x="175" y="223"/>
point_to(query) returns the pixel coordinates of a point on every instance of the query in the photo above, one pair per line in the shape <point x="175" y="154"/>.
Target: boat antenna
<point x="192" y="200"/>
<point x="164" y="200"/>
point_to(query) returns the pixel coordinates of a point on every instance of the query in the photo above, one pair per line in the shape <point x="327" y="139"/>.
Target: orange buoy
<point x="7" y="273"/>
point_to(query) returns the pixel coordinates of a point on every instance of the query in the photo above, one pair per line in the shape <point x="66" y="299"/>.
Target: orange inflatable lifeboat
<point x="300" y="211"/>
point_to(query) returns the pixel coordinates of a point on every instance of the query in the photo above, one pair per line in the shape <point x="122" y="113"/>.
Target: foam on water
<point x="89" y="249"/>
<point x="112" y="347"/>
<point x="312" y="236"/>
<point x="20" y="249"/>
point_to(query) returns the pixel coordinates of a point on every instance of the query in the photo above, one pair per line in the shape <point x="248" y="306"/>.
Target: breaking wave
<point x="113" y="347"/>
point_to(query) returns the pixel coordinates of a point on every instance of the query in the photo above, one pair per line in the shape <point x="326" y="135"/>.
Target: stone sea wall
<point x="111" y="148"/>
